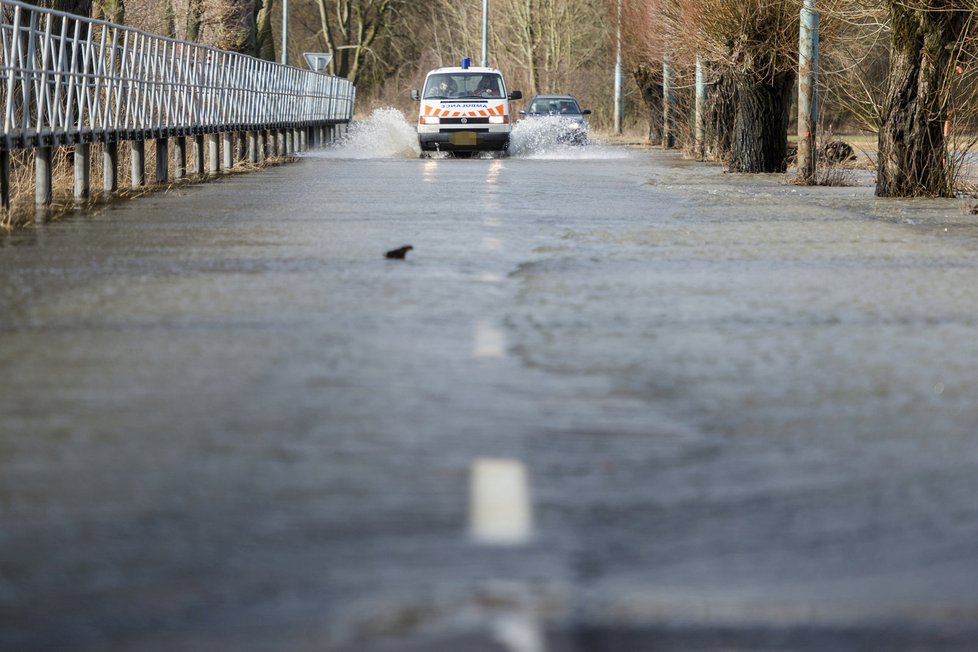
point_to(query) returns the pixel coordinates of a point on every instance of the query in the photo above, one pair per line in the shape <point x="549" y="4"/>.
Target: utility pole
<point x="285" y="32"/>
<point x="807" y="92"/>
<point x="619" y="79"/>
<point x="485" y="33"/>
<point x="700" y="110"/>
<point x="668" y="137"/>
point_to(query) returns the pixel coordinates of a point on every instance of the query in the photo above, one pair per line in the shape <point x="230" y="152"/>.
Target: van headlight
<point x="430" y="120"/>
<point x="498" y="119"/>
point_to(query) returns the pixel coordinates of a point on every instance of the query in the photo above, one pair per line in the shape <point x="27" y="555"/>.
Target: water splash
<point x="386" y="133"/>
<point x="540" y="138"/>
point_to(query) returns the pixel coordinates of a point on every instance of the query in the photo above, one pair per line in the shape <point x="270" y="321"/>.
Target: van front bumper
<point x="463" y="140"/>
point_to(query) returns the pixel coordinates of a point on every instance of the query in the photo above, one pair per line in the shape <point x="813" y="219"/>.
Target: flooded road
<point x="611" y="401"/>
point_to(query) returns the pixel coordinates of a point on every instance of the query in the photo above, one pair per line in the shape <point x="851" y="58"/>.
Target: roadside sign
<point x="317" y="61"/>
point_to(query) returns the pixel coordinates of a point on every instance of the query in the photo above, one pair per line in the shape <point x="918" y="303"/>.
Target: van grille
<point x="469" y="121"/>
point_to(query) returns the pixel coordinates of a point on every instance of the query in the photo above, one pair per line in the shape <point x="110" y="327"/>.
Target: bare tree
<point x="929" y="39"/>
<point x="264" y="39"/>
<point x="350" y="30"/>
<point x="113" y="11"/>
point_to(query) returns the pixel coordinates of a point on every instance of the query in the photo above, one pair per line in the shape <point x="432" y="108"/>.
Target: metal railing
<point x="67" y="79"/>
<point x="70" y="80"/>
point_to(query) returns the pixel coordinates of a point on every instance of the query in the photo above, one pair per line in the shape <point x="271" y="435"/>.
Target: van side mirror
<point x="586" y="112"/>
<point x="516" y="95"/>
<point x="415" y="94"/>
<point x="522" y="111"/>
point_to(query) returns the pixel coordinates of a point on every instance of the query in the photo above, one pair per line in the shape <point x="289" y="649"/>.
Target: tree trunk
<point x="168" y="18"/>
<point x="236" y="28"/>
<point x="760" y="135"/>
<point x="912" y="148"/>
<point x="649" y="81"/>
<point x="264" y="39"/>
<point x="113" y="11"/>
<point x="195" y="20"/>
<point x="721" y="114"/>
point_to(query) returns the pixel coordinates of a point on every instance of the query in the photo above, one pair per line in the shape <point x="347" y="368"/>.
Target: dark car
<point x="565" y="110"/>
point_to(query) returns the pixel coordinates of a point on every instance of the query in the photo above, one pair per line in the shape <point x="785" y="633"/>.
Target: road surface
<point x="612" y="401"/>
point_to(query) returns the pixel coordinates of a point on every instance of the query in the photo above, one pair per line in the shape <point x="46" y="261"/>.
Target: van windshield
<point x="459" y="85"/>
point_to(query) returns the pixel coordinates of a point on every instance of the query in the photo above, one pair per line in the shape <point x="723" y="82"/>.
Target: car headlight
<point x="498" y="119"/>
<point x="430" y="120"/>
<point x="575" y="125"/>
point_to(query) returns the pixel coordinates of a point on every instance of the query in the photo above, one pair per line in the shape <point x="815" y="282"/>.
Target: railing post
<point x="281" y="147"/>
<point x="110" y="167"/>
<point x="162" y="160"/>
<point x="253" y="147"/>
<point x="180" y="158"/>
<point x="241" y="140"/>
<point x="42" y="176"/>
<point x="198" y="155"/>
<point x="138" y="163"/>
<point x="4" y="178"/>
<point x="227" y="147"/>
<point x="83" y="171"/>
<point x="213" y="154"/>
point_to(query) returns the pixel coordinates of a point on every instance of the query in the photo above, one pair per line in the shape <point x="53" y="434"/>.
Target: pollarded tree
<point x="643" y="47"/>
<point x="929" y="39"/>
<point x="753" y="44"/>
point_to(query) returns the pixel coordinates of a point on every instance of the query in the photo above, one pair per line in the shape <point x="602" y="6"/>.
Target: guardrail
<point x="70" y="80"/>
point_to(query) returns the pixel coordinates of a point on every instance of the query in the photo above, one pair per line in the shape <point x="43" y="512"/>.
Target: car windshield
<point x="458" y="85"/>
<point x="554" y="106"/>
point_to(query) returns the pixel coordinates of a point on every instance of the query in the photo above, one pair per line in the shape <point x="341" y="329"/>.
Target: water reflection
<point x="429" y="169"/>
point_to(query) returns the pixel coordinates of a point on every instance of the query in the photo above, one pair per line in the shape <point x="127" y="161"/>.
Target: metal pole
<point x="700" y="109"/>
<point x="213" y="153"/>
<point x="485" y="33"/>
<point x="83" y="171"/>
<point x="807" y="92"/>
<point x="110" y="167"/>
<point x="619" y="79"/>
<point x="43" y="194"/>
<point x="227" y="149"/>
<point x="285" y="32"/>
<point x="162" y="160"/>
<point x="180" y="158"/>
<point x="137" y="167"/>
<point x="4" y="178"/>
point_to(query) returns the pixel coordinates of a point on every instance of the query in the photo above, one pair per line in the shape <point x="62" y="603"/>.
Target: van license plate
<point x="463" y="138"/>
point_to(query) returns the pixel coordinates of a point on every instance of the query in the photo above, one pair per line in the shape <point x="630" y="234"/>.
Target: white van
<point x="465" y="110"/>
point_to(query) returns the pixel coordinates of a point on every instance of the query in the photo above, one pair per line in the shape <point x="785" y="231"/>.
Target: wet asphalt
<point x="612" y="401"/>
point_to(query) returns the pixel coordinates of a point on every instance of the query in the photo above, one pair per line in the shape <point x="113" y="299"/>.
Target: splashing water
<point x="541" y="138"/>
<point x="386" y="133"/>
